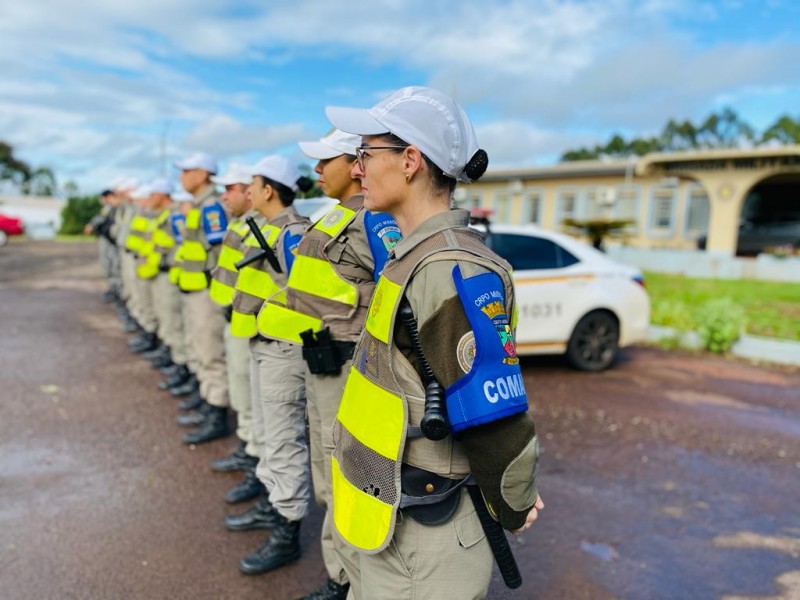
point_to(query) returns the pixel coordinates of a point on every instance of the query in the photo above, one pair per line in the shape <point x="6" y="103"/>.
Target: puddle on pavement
<point x="751" y="539"/>
<point x="788" y="582"/>
<point x="599" y="550"/>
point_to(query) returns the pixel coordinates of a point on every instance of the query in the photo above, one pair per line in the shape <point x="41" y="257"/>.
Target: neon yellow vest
<point x="316" y="277"/>
<point x="192" y="255"/>
<point x="150" y="251"/>
<point x="381" y="398"/>
<point x="253" y="285"/>
<point x="134" y="241"/>
<point x="223" y="282"/>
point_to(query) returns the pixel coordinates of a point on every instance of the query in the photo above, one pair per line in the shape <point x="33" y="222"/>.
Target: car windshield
<point x="527" y="252"/>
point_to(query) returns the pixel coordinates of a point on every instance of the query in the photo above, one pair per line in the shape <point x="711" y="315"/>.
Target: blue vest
<point x="383" y="235"/>
<point x="215" y="223"/>
<point x="493" y="387"/>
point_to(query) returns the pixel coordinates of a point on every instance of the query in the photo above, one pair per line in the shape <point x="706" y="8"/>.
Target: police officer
<point x="101" y="226"/>
<point x="237" y="349"/>
<point x="206" y="222"/>
<point x="277" y="370"/>
<point x="328" y="292"/>
<point x="141" y="301"/>
<point x="398" y="496"/>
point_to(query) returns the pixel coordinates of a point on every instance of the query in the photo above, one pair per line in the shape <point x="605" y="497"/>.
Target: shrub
<point x="78" y="211"/>
<point x="720" y="323"/>
<point x="672" y="313"/>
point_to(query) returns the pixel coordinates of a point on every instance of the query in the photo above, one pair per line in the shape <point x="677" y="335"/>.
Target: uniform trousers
<point x="170" y="318"/>
<point x="128" y="275"/>
<point x="324" y="393"/>
<point x="144" y="292"/>
<point x="279" y="425"/>
<point x="237" y="358"/>
<point x="453" y="560"/>
<point x="205" y="325"/>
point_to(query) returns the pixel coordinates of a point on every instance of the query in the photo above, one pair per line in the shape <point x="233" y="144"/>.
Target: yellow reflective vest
<point x="151" y="252"/>
<point x="223" y="280"/>
<point x="135" y="238"/>
<point x="382" y="398"/>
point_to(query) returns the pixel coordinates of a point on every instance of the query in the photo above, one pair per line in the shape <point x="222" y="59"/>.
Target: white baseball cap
<point x="236" y="173"/>
<point x="198" y="160"/>
<point x="125" y="184"/>
<point x="332" y="145"/>
<point x="278" y="169"/>
<point x="421" y="116"/>
<point x="141" y="192"/>
<point x="160" y="186"/>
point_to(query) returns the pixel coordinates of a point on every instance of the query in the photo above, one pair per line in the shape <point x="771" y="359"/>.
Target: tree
<point x="597" y="230"/>
<point x="38" y="181"/>
<point x="785" y="130"/>
<point x="78" y="211"/>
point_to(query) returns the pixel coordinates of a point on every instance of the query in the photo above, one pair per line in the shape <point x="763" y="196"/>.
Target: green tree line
<point x="38" y="181"/>
<point x="725" y="129"/>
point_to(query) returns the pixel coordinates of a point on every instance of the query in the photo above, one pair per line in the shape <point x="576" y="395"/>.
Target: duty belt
<point x="324" y="355"/>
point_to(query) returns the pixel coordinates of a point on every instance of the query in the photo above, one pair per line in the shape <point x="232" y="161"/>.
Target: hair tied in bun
<point x="477" y="165"/>
<point x="304" y="184"/>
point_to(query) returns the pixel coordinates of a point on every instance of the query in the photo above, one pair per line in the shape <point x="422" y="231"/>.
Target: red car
<point x="9" y="226"/>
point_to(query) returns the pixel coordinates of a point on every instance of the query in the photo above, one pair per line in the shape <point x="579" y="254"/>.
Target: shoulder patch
<point x="465" y="351"/>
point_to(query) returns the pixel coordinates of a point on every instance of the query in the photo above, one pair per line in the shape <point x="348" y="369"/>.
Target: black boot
<point x="185" y="389"/>
<point x="330" y="590"/>
<point x="214" y="426"/>
<point x="247" y="489"/>
<point x="169" y="370"/>
<point x="149" y="342"/>
<point x="163" y="359"/>
<point x="181" y="376"/>
<point x="238" y="460"/>
<point x="195" y="417"/>
<point x="193" y="402"/>
<point x="281" y="548"/>
<point x="156" y="352"/>
<point x="262" y="515"/>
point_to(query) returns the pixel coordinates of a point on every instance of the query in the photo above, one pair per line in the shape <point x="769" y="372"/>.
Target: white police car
<point x="571" y="298"/>
<point x="314" y="208"/>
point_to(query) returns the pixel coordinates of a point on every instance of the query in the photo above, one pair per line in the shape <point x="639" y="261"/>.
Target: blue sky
<point x="91" y="88"/>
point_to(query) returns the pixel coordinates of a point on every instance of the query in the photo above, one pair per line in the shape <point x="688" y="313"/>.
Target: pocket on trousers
<point x="468" y="529"/>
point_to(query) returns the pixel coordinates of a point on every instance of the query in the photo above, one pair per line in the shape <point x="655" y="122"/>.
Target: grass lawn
<point x="772" y="307"/>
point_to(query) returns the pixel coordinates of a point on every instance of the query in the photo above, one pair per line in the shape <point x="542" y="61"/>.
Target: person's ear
<point x="412" y="162"/>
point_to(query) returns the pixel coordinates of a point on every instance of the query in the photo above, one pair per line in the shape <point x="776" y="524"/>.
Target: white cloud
<point x="223" y="135"/>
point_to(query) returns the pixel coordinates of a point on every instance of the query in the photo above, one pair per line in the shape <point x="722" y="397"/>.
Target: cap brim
<point x="354" y="120"/>
<point x="318" y="150"/>
<point x="183" y="166"/>
<point x="228" y="180"/>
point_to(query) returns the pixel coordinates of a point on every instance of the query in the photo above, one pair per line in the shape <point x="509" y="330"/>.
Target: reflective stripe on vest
<point x="223" y="283"/>
<point x="193" y="255"/>
<point x="151" y="251"/>
<point x="376" y="407"/>
<point x="253" y="286"/>
<point x="134" y="240"/>
<point x="313" y="276"/>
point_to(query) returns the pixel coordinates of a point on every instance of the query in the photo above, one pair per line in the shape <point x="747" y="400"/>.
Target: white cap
<point x="126" y="184"/>
<point x="141" y="192"/>
<point x="332" y="145"/>
<point x="160" y="186"/>
<point x="278" y="169"/>
<point x="182" y="195"/>
<point x="421" y="116"/>
<point x="198" y="160"/>
<point x="235" y="174"/>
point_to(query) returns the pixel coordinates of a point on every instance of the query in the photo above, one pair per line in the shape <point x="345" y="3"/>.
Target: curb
<point x="785" y="352"/>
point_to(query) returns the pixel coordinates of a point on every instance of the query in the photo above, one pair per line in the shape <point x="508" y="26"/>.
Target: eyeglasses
<point x="362" y="156"/>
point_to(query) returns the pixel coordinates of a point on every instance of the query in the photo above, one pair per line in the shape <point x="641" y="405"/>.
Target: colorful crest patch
<point x="497" y="313"/>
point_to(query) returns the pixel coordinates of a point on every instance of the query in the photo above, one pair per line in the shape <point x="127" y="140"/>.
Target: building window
<point x="597" y="202"/>
<point x="566" y="205"/>
<point x="532" y="202"/>
<point x="697" y="212"/>
<point x="662" y="209"/>
<point x="467" y="199"/>
<point x="626" y="207"/>
<point x="501" y="206"/>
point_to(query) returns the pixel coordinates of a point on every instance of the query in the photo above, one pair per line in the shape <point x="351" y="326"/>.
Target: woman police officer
<point x="399" y="497"/>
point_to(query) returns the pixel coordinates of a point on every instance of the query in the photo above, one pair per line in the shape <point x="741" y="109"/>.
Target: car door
<point x="546" y="277"/>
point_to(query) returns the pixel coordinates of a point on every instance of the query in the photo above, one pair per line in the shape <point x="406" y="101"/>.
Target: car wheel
<point x="594" y="341"/>
<point x="3" y="238"/>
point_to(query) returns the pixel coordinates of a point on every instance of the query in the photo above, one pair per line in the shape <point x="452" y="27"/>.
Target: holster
<point x="428" y="498"/>
<point x="228" y="312"/>
<point x="325" y="356"/>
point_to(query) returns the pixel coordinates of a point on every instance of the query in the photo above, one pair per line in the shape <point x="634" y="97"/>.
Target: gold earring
<point x="408" y="177"/>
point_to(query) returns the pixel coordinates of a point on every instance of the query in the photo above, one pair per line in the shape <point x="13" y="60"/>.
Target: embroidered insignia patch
<point x="332" y="218"/>
<point x="497" y="313"/>
<point x="465" y="351"/>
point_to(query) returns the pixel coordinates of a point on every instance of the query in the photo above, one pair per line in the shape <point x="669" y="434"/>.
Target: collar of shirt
<point x="206" y="193"/>
<point x="286" y="212"/>
<point x="450" y="219"/>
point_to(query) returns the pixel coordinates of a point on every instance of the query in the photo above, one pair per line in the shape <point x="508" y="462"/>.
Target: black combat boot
<point x="262" y="515"/>
<point x="186" y="388"/>
<point x="330" y="590"/>
<point x="156" y="352"/>
<point x="149" y="342"/>
<point x="193" y="402"/>
<point x="163" y="359"/>
<point x="169" y="370"/>
<point x="213" y="427"/>
<point x="247" y="489"/>
<point x="195" y="417"/>
<point x="181" y="376"/>
<point x="281" y="548"/>
<point x="238" y="460"/>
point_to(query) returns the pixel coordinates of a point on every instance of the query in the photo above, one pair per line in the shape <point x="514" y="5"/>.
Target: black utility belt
<point x="429" y="498"/>
<point x="324" y="355"/>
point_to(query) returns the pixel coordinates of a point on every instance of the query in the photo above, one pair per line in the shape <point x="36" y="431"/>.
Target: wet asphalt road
<point x="669" y="476"/>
